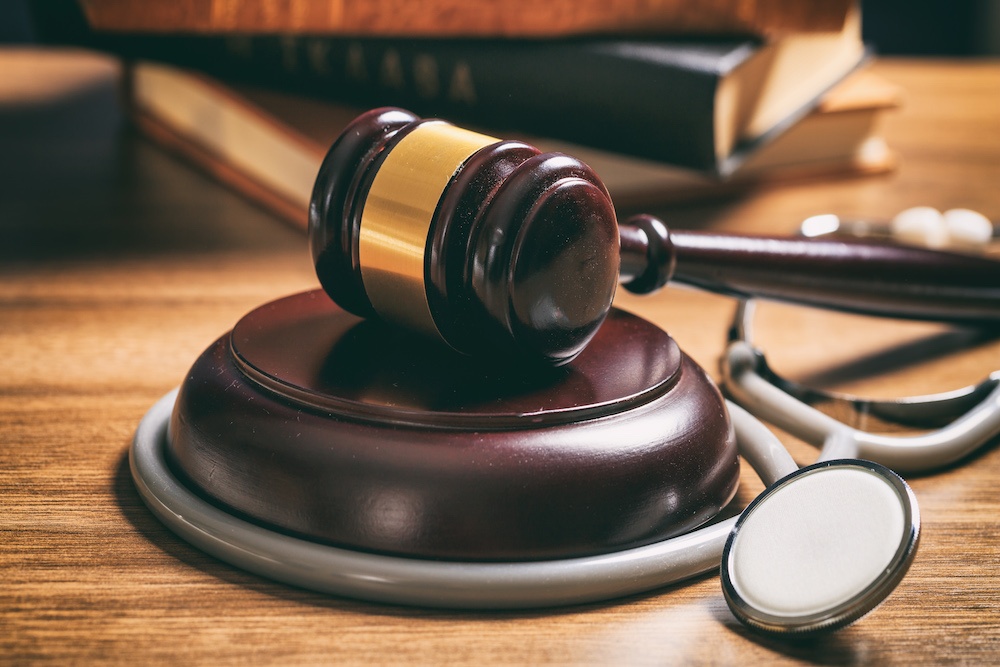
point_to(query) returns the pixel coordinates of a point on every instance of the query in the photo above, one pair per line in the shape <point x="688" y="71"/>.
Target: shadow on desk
<point x="76" y="182"/>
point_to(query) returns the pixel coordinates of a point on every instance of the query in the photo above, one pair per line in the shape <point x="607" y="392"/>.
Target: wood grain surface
<point x="120" y="265"/>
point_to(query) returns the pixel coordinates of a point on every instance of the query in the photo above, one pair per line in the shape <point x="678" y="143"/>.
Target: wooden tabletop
<point x="119" y="265"/>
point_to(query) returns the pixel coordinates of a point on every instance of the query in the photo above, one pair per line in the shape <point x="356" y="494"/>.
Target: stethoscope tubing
<point x="905" y="454"/>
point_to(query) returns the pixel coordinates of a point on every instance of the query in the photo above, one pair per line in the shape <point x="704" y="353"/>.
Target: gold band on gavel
<point x="397" y="216"/>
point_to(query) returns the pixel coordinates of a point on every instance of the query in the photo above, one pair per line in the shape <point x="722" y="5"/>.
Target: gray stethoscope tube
<point x="752" y="384"/>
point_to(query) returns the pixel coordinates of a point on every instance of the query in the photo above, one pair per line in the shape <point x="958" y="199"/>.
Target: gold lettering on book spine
<point x="397" y="215"/>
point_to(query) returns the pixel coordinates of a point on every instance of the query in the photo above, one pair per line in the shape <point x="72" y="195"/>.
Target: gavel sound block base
<point x="313" y="422"/>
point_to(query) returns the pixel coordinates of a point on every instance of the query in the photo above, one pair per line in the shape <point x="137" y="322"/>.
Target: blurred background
<point x="70" y="156"/>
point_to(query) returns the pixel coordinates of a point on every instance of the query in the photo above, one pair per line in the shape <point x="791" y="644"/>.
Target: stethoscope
<point x="775" y="572"/>
<point x="516" y="585"/>
<point x="819" y="548"/>
<point x="971" y="416"/>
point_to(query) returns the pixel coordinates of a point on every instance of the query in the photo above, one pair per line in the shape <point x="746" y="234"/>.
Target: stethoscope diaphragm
<point x="820" y="548"/>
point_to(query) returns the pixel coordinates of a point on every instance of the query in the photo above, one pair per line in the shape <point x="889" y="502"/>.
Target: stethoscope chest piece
<point x="820" y="548"/>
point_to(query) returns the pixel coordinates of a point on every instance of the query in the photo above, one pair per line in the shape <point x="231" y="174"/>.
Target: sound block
<point x="313" y="422"/>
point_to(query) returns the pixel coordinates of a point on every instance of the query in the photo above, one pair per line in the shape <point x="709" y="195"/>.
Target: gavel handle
<point x="855" y="276"/>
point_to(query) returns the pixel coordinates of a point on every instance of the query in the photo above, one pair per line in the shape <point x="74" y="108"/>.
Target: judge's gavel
<point x="497" y="248"/>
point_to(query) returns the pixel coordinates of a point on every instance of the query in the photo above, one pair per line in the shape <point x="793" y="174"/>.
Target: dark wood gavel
<point x="497" y="248"/>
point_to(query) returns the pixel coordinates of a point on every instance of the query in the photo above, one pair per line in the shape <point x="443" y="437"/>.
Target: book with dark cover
<point x="702" y="104"/>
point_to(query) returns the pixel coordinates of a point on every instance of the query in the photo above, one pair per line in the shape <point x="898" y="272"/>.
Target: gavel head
<point x="491" y="246"/>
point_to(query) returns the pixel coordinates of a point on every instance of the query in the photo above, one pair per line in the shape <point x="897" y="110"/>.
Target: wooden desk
<point x="120" y="266"/>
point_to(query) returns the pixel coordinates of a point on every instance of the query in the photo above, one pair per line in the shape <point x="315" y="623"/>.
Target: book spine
<point x="629" y="97"/>
<point x="511" y="18"/>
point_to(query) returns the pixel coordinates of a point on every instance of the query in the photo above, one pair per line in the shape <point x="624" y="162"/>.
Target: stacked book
<point x="667" y="100"/>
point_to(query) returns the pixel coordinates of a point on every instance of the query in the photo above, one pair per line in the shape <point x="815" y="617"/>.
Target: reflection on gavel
<point x="497" y="248"/>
